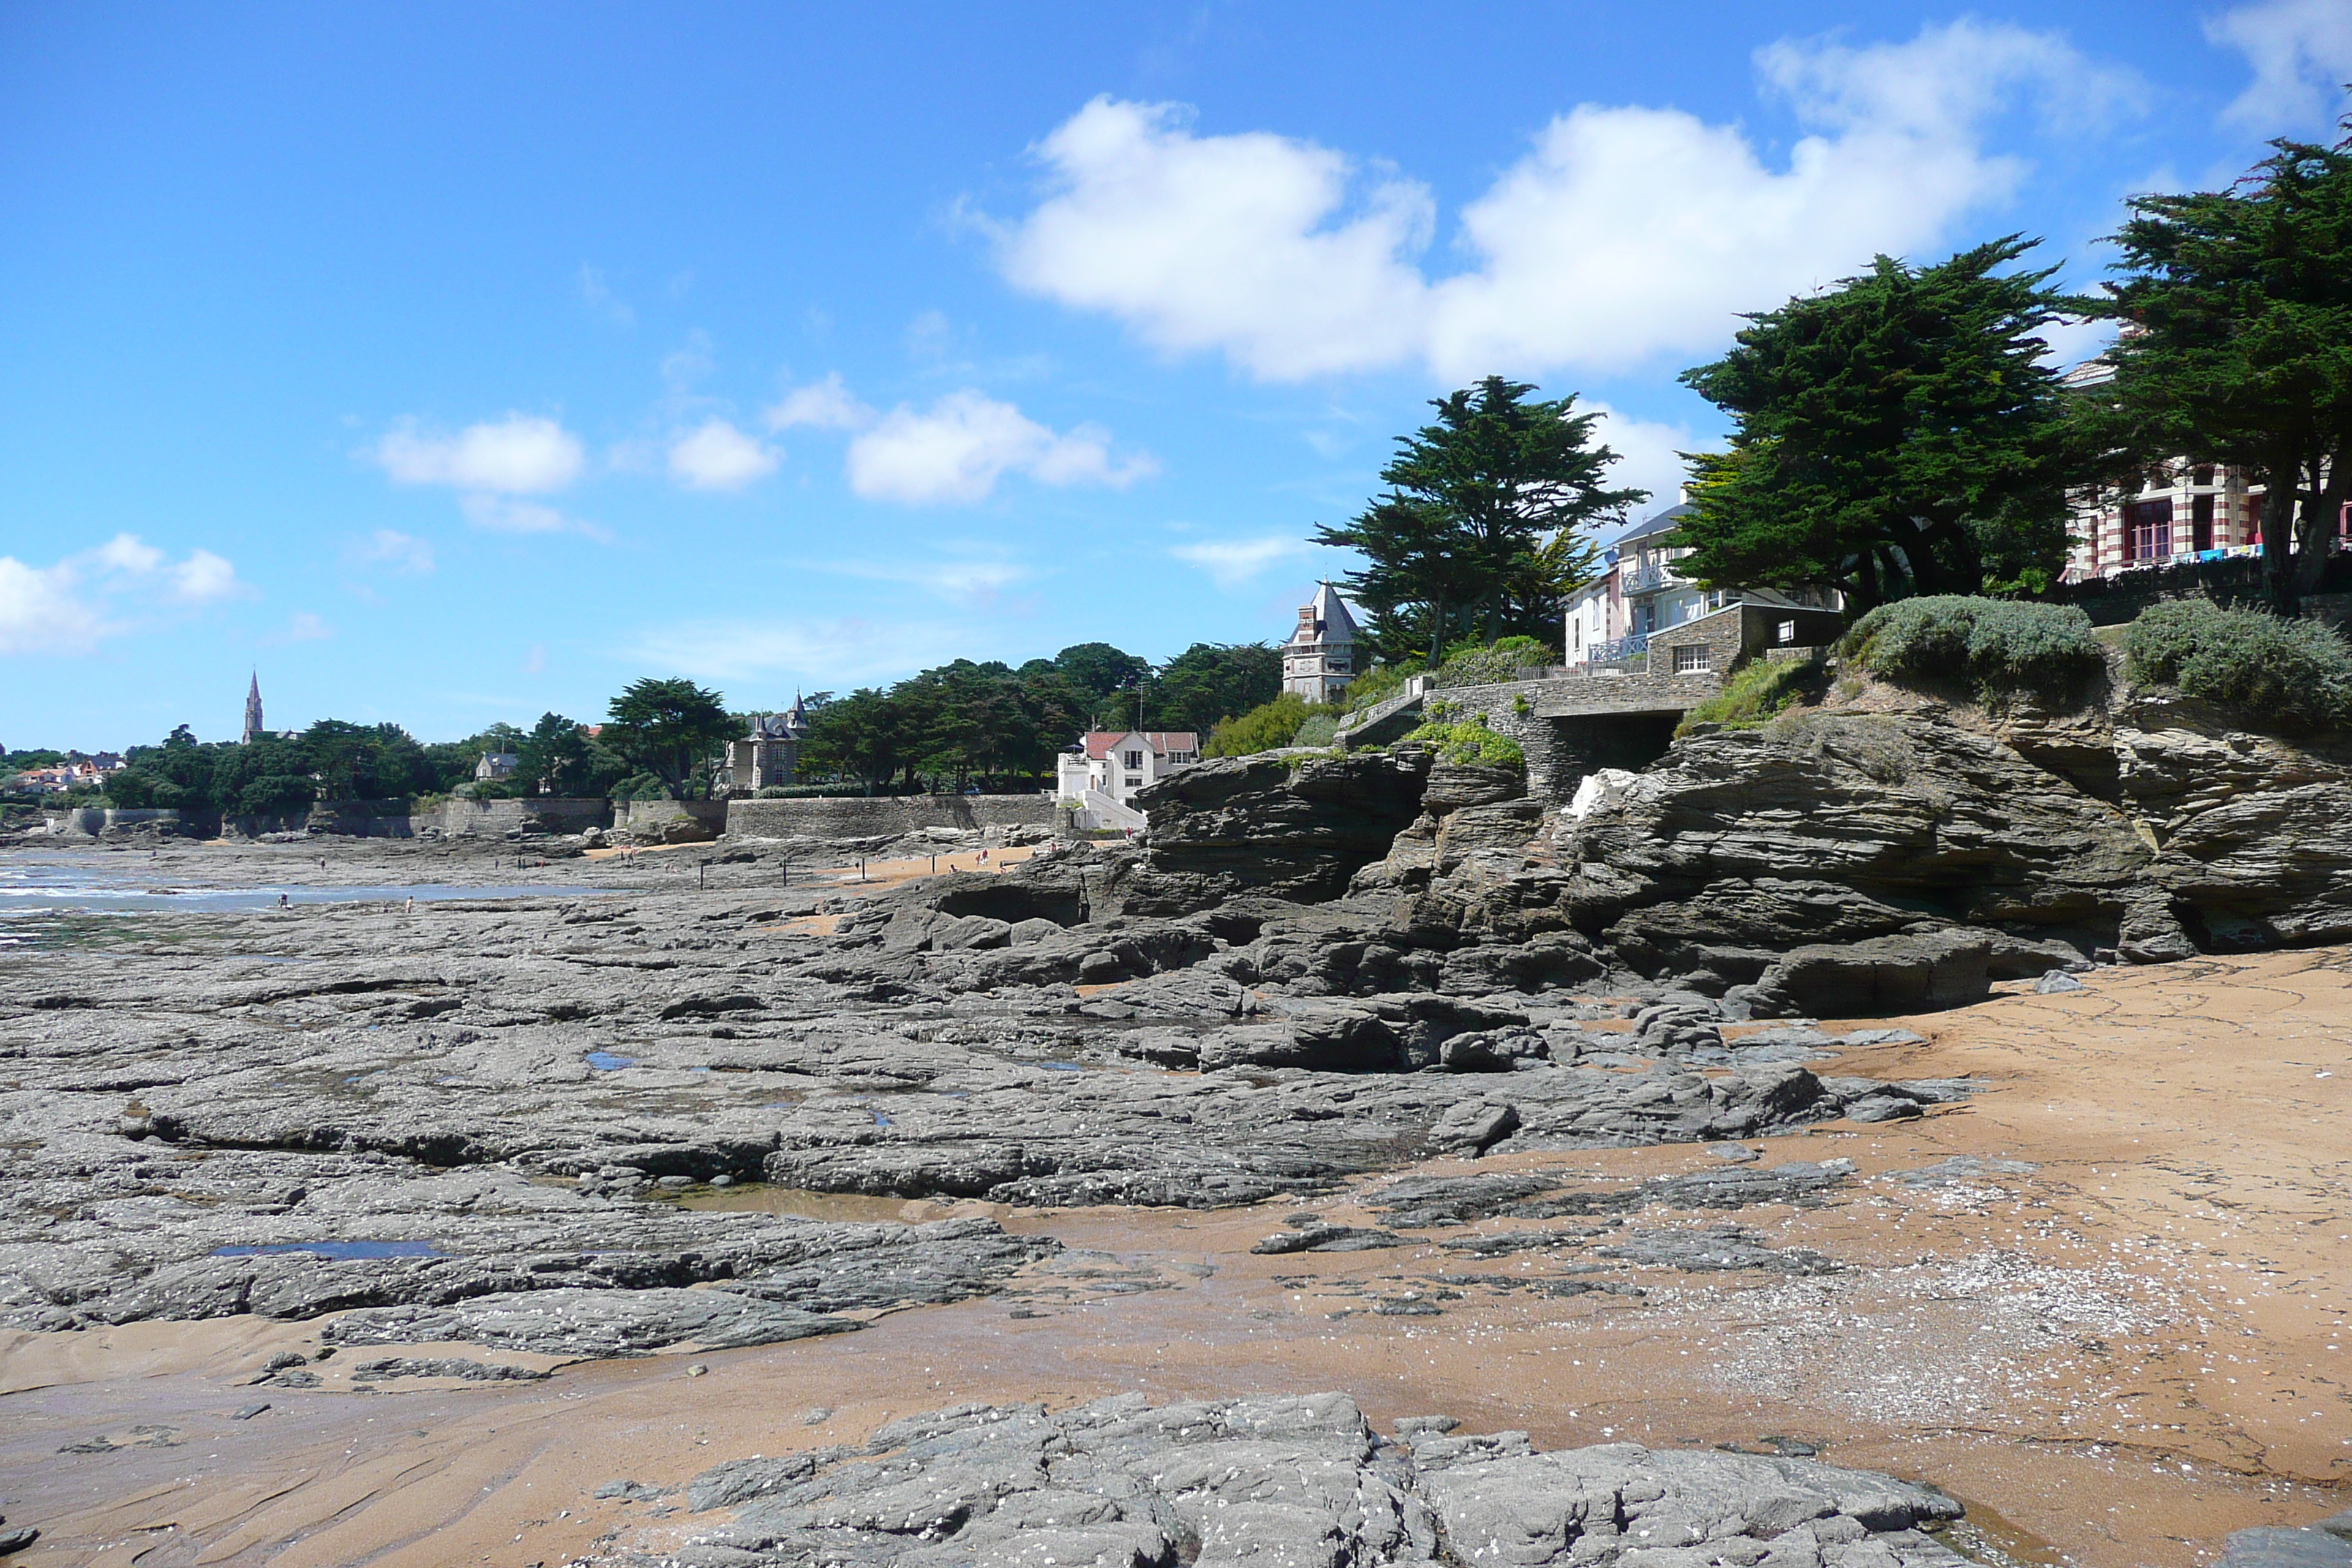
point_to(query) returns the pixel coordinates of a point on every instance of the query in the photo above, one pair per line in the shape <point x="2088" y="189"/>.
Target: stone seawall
<point x="535" y="813"/>
<point x="874" y="817"/>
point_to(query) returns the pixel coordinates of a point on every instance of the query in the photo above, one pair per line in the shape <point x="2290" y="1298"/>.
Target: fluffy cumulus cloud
<point x="1620" y="235"/>
<point x="956" y="451"/>
<point x="2301" y="52"/>
<point x="1233" y="561"/>
<point x="72" y="605"/>
<point x="522" y="453"/>
<point x="716" y="456"/>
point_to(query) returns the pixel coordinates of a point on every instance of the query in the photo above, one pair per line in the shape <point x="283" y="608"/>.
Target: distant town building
<point x="498" y="765"/>
<point x="769" y="755"/>
<point x="1117" y="764"/>
<point x="253" y="726"/>
<point x="1640" y="595"/>
<point x="1319" y="660"/>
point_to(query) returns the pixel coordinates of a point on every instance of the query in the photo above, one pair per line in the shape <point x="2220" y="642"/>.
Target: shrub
<point x="1470" y="742"/>
<point x="1320" y="729"/>
<point x="641" y="787"/>
<point x="772" y="792"/>
<point x="2288" y="677"/>
<point x="1380" y="683"/>
<point x="1471" y="664"/>
<point x="1266" y="727"/>
<point x="1996" y="646"/>
<point x="1752" y="697"/>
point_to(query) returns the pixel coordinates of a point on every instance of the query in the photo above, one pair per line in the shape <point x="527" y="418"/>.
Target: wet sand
<point x="2115" y="1356"/>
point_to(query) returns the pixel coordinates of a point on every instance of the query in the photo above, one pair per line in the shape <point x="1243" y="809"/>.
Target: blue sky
<point x="455" y="364"/>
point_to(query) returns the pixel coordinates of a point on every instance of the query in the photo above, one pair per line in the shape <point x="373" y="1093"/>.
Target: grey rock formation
<point x="1288" y="1480"/>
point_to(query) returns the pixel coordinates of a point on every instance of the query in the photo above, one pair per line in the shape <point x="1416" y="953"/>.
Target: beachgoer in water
<point x="284" y="902"/>
<point x="410" y="907"/>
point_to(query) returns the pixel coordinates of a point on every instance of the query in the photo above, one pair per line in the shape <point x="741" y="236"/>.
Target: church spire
<point x="253" y="710"/>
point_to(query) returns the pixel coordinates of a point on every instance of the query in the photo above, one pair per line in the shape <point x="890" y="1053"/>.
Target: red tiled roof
<point x="1100" y="741"/>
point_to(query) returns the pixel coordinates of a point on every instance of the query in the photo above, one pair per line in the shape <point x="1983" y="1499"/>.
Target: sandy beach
<point x="2104" y="1302"/>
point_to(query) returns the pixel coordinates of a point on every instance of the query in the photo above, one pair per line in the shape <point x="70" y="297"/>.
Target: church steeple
<point x="253" y="710"/>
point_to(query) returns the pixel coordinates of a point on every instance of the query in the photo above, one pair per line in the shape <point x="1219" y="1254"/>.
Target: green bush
<point x="1475" y="664"/>
<point x="1470" y="742"/>
<point x="1994" y="645"/>
<point x="1752" y="697"/>
<point x="2287" y="677"/>
<point x="1320" y="729"/>
<point x="1380" y="683"/>
<point x="1267" y="727"/>
<point x="641" y="787"/>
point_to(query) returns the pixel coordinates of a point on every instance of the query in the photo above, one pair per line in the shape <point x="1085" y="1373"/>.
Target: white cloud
<point x="1238" y="243"/>
<point x="71" y="606"/>
<point x="2301" y="52"/>
<point x="822" y="405"/>
<point x="1646" y="456"/>
<point x="1235" y="561"/>
<point x="718" y="456"/>
<point x="979" y="580"/>
<point x="522" y="453"/>
<point x="128" y="553"/>
<point x="501" y="514"/>
<point x="958" y="449"/>
<point x="1625" y="233"/>
<point x="40" y="612"/>
<point x="839" y="653"/>
<point x="203" y="577"/>
<point x="306" y="627"/>
<point x="400" y="552"/>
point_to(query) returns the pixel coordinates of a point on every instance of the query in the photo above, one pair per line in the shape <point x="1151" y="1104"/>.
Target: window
<point x="1135" y="758"/>
<point x="1692" y="658"/>
<point x="1134" y="783"/>
<point x="1786" y="632"/>
<point x="2200" y="523"/>
<point x="2148" y="530"/>
<point x="2203" y="476"/>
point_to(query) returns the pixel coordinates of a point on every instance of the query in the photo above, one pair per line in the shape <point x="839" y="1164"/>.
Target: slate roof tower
<point x="253" y="710"/>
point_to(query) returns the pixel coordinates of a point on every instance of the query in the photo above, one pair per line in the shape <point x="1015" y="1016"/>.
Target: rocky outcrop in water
<point x="1285" y="1481"/>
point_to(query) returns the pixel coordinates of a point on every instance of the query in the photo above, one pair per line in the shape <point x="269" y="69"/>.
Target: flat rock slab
<point x="1279" y="1481"/>
<point x="588" y="1322"/>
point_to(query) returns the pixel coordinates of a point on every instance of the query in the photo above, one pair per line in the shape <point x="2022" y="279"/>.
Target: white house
<point x="1319" y="660"/>
<point x="1116" y="764"/>
<point x="1640" y="593"/>
<point x="498" y="765"/>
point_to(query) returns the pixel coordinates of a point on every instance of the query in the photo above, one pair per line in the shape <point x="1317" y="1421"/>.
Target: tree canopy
<point x="1479" y="529"/>
<point x="2237" y="344"/>
<point x="671" y="728"/>
<point x="1901" y="432"/>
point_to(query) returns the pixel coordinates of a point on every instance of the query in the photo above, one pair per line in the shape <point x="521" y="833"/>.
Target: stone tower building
<point x="1319" y="660"/>
<point x="253" y="710"/>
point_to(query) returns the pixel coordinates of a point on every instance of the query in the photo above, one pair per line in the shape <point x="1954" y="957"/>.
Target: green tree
<point x="1110" y="682"/>
<point x="2237" y="342"/>
<point x="1902" y="432"/>
<point x="671" y="728"/>
<point x="267" y="775"/>
<point x="862" y="735"/>
<point x="1480" y="525"/>
<point x="560" y="755"/>
<point x="1210" y="681"/>
<point x="1262" y="728"/>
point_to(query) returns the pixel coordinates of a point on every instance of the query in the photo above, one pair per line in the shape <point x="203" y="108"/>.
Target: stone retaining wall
<point x="875" y="816"/>
<point x="532" y="813"/>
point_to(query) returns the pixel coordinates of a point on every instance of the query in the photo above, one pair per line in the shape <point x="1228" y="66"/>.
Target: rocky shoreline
<point x="511" y="1125"/>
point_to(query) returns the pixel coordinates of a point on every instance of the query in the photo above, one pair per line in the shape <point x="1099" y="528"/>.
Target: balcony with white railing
<point x="1646" y="579"/>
